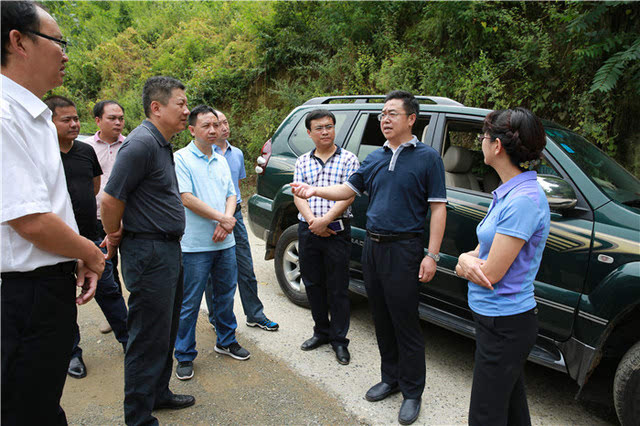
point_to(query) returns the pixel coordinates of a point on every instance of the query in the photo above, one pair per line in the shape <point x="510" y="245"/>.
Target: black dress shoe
<point x="313" y="343"/>
<point x="176" y="402"/>
<point x="381" y="391"/>
<point x="409" y="411"/>
<point x="77" y="369"/>
<point x="342" y="354"/>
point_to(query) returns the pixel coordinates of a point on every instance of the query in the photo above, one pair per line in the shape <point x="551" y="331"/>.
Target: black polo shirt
<point x="80" y="167"/>
<point x="144" y="178"/>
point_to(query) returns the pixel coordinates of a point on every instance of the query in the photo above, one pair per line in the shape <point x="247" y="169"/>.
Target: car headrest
<point x="457" y="160"/>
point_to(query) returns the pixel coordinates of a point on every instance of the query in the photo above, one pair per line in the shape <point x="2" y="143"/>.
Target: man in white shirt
<point x="40" y="240"/>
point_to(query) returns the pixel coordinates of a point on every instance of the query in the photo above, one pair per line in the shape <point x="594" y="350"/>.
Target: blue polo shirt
<point x="519" y="209"/>
<point x="235" y="159"/>
<point x="400" y="186"/>
<point x="208" y="179"/>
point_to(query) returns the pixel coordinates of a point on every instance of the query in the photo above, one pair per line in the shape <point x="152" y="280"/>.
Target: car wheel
<point x="287" y="266"/>
<point x="626" y="387"/>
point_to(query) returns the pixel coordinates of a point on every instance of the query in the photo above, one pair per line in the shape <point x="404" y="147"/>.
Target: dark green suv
<point x="588" y="286"/>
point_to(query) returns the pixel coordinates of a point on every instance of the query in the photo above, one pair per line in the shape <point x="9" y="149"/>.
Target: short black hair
<point x="520" y="131"/>
<point x="158" y="89"/>
<point x="57" y="101"/>
<point x="98" y="109"/>
<point x="21" y="16"/>
<point x="317" y="114"/>
<point x="409" y="102"/>
<point x="200" y="109"/>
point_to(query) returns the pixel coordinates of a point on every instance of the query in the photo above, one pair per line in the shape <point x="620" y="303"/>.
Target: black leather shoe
<point x="342" y="354"/>
<point x="77" y="369"/>
<point x="313" y="343"/>
<point x="409" y="411"/>
<point x="176" y="402"/>
<point x="381" y="391"/>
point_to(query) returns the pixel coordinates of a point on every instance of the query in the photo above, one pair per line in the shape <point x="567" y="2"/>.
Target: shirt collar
<point x="412" y="142"/>
<point x="196" y="151"/>
<point x="25" y="98"/>
<point x="506" y="187"/>
<point x="96" y="138"/>
<point x="156" y="133"/>
<point x="217" y="149"/>
<point x="337" y="152"/>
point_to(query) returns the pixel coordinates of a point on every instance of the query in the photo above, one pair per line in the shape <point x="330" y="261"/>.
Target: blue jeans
<point x="109" y="298"/>
<point x="221" y="265"/>
<point x="247" y="283"/>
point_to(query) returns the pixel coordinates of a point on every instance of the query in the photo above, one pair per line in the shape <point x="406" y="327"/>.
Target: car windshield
<point x="612" y="178"/>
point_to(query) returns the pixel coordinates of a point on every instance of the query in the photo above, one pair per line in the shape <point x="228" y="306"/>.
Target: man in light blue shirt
<point x="208" y="244"/>
<point x="247" y="283"/>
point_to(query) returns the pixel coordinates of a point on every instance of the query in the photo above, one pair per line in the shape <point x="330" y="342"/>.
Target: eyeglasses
<point x="392" y="115"/>
<point x="328" y="128"/>
<point x="62" y="43"/>
<point x="482" y="137"/>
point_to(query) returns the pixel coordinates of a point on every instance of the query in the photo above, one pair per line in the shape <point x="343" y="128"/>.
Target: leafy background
<point x="576" y="63"/>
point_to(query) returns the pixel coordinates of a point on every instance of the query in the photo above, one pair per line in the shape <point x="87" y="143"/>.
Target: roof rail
<point x="363" y="99"/>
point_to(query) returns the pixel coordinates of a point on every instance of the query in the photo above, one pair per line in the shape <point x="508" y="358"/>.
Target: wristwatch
<point x="435" y="257"/>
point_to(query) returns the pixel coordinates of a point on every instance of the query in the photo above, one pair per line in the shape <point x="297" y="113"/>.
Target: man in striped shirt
<point x="324" y="235"/>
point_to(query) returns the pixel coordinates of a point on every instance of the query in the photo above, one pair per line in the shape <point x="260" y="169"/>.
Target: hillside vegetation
<point x="576" y="63"/>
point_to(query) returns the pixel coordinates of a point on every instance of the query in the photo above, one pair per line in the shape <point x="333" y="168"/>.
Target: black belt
<point x="59" y="269"/>
<point x="387" y="238"/>
<point x="156" y="236"/>
<point x="238" y="208"/>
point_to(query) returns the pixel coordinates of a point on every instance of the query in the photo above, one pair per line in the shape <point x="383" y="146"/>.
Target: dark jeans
<point x="109" y="298"/>
<point x="324" y="267"/>
<point x="247" y="283"/>
<point x="153" y="275"/>
<point x="503" y="344"/>
<point x="37" y="334"/>
<point x="390" y="272"/>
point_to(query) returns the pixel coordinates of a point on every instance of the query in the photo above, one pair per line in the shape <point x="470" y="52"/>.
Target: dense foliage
<point x="576" y="63"/>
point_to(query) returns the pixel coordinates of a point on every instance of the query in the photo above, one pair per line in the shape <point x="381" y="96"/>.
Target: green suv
<point x="588" y="286"/>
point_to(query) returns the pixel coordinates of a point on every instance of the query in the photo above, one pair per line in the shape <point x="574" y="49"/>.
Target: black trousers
<point x="324" y="267"/>
<point x="153" y="275"/>
<point x="114" y="259"/>
<point x="391" y="278"/>
<point x="503" y="344"/>
<point x="38" y="315"/>
<point x="109" y="298"/>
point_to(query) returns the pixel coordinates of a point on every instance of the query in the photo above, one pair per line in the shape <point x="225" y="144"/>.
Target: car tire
<point x="626" y="387"/>
<point x="287" y="265"/>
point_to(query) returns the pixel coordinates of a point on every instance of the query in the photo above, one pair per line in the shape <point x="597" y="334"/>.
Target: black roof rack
<point x="363" y="99"/>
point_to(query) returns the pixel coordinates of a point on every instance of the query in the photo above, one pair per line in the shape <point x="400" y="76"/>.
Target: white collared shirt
<point x="33" y="179"/>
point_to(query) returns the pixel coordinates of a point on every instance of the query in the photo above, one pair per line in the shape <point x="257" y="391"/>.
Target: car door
<point x="560" y="279"/>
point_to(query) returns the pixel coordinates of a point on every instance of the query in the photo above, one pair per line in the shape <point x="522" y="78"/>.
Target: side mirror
<point x="560" y="194"/>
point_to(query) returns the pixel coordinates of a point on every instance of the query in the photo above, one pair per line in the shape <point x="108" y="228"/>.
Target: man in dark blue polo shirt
<point x="143" y="192"/>
<point x="404" y="179"/>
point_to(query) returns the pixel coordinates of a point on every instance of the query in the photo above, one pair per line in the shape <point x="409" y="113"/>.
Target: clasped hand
<point x="318" y="226"/>
<point x="469" y="267"/>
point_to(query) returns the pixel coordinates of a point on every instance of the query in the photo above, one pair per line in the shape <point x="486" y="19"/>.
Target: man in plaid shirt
<point x="324" y="235"/>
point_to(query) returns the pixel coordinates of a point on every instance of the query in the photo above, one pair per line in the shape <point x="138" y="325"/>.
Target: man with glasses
<point x="39" y="234"/>
<point x="247" y="283"/>
<point x="404" y="179"/>
<point x="324" y="235"/>
<point x="109" y="116"/>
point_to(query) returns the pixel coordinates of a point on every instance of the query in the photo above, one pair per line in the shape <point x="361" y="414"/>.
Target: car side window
<point x="367" y="136"/>
<point x="300" y="141"/>
<point x="463" y="160"/>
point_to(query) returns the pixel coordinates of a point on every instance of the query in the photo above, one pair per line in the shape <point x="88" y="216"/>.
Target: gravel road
<point x="281" y="384"/>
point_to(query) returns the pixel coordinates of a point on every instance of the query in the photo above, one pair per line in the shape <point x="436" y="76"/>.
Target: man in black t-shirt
<point x="82" y="171"/>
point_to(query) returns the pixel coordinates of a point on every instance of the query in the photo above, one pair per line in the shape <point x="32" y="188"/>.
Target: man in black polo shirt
<point x="143" y="192"/>
<point x="404" y="179"/>
<point x="82" y="171"/>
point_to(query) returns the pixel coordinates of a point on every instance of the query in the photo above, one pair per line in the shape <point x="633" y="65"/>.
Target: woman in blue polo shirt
<point x="502" y="268"/>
